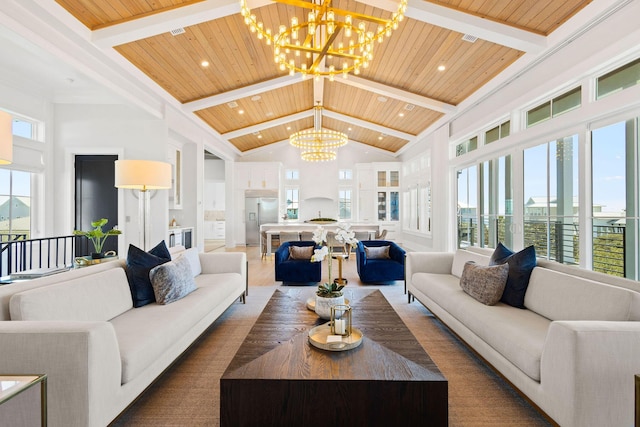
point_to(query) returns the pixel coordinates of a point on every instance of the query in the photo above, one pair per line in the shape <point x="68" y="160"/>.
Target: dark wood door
<point x="95" y="197"/>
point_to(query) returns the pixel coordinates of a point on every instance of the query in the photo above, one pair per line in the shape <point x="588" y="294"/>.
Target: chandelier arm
<point x="325" y="48"/>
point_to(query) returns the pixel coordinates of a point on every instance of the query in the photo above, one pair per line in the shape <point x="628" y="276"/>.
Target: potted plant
<point x="97" y="236"/>
<point x="328" y="295"/>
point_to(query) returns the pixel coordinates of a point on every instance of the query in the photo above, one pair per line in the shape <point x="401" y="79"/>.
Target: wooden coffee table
<point x="278" y="378"/>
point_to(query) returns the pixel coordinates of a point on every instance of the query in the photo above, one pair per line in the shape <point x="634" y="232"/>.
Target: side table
<point x="86" y="261"/>
<point x="340" y="257"/>
<point x="18" y="395"/>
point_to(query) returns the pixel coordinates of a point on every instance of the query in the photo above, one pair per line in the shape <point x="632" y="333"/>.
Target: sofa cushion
<point x="560" y="296"/>
<point x="516" y="334"/>
<point x="103" y="297"/>
<point x="484" y="283"/>
<point x="145" y="334"/>
<point x="139" y="264"/>
<point x="521" y="265"/>
<point x="461" y="257"/>
<point x="300" y="252"/>
<point x="172" y="280"/>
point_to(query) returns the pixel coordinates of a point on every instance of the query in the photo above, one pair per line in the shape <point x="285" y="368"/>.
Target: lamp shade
<point x="6" y="139"/>
<point x="142" y="174"/>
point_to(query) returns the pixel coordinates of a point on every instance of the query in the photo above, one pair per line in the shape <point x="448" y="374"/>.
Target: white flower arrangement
<point x="344" y="235"/>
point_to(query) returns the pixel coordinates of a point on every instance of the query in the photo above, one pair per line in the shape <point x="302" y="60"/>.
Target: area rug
<point x="188" y="393"/>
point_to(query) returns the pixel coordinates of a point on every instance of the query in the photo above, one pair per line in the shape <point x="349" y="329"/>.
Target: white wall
<point x="108" y="129"/>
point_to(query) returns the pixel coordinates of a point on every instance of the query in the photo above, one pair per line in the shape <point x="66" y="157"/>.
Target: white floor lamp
<point x="143" y="175"/>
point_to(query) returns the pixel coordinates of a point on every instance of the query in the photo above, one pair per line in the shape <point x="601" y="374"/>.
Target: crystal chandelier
<point x="345" y="38"/>
<point x="318" y="144"/>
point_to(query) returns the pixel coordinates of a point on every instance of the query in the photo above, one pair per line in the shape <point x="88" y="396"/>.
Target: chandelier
<point x="318" y="144"/>
<point x="345" y="38"/>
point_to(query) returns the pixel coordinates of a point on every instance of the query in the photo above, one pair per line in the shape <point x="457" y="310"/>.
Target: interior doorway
<point x="95" y="197"/>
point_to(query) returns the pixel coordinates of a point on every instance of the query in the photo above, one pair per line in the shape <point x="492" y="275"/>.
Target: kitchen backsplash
<point x="214" y="215"/>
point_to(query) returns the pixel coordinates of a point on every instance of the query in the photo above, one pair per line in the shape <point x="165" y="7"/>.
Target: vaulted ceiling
<point x="243" y="96"/>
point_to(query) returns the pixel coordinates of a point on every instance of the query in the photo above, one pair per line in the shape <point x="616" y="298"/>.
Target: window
<point x="344" y="203"/>
<point x="15" y="205"/>
<point x="293" y="202"/>
<point x="466" y="146"/>
<point x="345" y="174"/>
<point x="614" y="183"/>
<point x="496" y="202"/>
<point x="621" y="78"/>
<point x="292" y="174"/>
<point x="551" y="199"/>
<point x="559" y="105"/>
<point x="22" y="128"/>
<point x="467" y="207"/>
<point x="498" y="132"/>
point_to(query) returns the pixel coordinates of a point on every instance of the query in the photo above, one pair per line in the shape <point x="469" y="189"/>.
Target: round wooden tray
<point x="318" y="338"/>
<point x="311" y="303"/>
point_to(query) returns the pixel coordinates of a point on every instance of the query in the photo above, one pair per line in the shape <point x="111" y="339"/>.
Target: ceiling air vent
<point x="177" y="31"/>
<point x="409" y="107"/>
<point x="469" y="38"/>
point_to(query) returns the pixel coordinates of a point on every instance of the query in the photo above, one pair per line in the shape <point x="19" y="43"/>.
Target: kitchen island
<point x="275" y="229"/>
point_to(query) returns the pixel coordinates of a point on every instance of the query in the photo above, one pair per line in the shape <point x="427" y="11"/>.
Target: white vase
<point x="323" y="305"/>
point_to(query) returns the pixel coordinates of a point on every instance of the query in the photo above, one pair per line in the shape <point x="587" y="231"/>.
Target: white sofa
<point x="99" y="353"/>
<point x="573" y="351"/>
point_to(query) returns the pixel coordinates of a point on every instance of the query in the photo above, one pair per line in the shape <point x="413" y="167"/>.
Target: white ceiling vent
<point x="177" y="31"/>
<point x="232" y="104"/>
<point x="469" y="38"/>
<point x="409" y="107"/>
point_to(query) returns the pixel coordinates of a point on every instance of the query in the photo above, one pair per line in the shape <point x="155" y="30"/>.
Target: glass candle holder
<point x="341" y="320"/>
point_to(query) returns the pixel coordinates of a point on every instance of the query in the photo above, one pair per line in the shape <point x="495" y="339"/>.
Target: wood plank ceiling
<point x="244" y="97"/>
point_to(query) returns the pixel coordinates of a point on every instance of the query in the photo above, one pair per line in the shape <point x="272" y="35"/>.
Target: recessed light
<point x="232" y="104"/>
<point x="240" y="111"/>
<point x="401" y="114"/>
<point x="256" y="98"/>
<point x="382" y="99"/>
<point x="288" y="127"/>
<point x="259" y="136"/>
<point x="269" y="113"/>
<point x="380" y="138"/>
<point x="349" y="129"/>
<point x="205" y="63"/>
<point x="441" y="68"/>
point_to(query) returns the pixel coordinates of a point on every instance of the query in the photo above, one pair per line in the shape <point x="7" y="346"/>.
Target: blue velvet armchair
<point x="372" y="268"/>
<point x="296" y="270"/>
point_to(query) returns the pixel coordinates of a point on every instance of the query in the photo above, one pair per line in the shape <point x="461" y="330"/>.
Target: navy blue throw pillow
<point x="521" y="265"/>
<point x="139" y="263"/>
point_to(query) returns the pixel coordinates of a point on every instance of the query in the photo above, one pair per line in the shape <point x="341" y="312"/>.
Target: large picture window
<point x="15" y="205"/>
<point x="551" y="199"/>
<point x="615" y="196"/>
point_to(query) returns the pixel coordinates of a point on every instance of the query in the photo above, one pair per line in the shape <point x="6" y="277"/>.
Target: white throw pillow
<point x="194" y="260"/>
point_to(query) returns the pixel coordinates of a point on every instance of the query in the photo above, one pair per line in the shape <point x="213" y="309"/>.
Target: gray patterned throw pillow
<point x="172" y="280"/>
<point x="484" y="283"/>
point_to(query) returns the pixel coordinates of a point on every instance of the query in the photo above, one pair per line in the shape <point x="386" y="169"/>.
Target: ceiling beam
<point x="163" y="22"/>
<point x="466" y="23"/>
<point x="402" y="95"/>
<point x="266" y="125"/>
<point x="243" y="92"/>
<point x="368" y="125"/>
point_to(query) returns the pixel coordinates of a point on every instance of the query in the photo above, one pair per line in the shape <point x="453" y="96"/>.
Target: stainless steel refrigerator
<point x="258" y="211"/>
